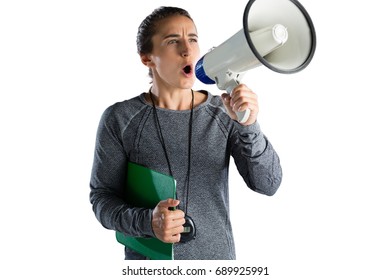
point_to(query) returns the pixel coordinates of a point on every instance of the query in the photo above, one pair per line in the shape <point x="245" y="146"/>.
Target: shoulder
<point x="215" y="106"/>
<point x="123" y="111"/>
<point x="206" y="98"/>
<point x="216" y="113"/>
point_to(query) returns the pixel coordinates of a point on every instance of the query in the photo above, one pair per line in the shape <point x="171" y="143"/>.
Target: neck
<point x="175" y="100"/>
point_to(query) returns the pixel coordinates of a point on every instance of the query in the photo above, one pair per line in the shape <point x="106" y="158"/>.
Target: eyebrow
<point x="177" y="36"/>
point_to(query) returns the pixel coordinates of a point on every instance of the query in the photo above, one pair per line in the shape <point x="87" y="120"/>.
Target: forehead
<point x="175" y="25"/>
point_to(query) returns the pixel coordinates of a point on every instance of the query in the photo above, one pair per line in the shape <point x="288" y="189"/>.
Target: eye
<point x="193" y="40"/>
<point x="174" y="41"/>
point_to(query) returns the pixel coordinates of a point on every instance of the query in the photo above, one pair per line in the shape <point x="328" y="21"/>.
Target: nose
<point x="186" y="51"/>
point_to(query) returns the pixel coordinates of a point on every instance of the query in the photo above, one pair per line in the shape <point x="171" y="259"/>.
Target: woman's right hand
<point x="167" y="224"/>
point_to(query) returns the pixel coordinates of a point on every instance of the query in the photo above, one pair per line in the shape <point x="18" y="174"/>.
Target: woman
<point x="187" y="134"/>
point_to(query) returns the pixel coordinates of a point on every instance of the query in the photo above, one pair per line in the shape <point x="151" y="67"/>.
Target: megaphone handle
<point x="242" y="116"/>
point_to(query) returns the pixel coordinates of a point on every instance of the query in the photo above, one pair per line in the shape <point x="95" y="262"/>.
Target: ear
<point x="145" y="59"/>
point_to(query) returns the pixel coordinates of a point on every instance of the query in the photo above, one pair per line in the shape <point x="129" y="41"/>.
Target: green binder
<point x="145" y="188"/>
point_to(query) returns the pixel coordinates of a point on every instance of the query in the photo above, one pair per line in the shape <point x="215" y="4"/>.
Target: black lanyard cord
<point x="187" y="181"/>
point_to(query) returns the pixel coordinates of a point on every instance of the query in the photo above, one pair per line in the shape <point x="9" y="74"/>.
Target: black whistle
<point x="189" y="232"/>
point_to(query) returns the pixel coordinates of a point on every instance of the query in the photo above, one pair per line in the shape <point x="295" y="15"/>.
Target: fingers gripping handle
<point x="242" y="116"/>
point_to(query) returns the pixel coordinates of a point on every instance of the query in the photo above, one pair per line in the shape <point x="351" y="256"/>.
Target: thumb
<point x="168" y="203"/>
<point x="226" y="98"/>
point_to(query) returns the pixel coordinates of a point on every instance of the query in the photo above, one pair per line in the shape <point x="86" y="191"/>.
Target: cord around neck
<point x="187" y="181"/>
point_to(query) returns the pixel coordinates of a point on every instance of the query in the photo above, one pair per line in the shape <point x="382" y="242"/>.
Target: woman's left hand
<point x="242" y="98"/>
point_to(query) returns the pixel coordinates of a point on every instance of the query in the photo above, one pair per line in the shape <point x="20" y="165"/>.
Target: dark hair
<point x="148" y="27"/>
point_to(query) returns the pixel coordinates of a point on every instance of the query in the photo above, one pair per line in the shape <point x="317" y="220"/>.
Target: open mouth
<point x="187" y="69"/>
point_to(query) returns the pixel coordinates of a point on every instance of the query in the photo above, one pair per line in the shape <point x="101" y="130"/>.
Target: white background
<point x="63" y="62"/>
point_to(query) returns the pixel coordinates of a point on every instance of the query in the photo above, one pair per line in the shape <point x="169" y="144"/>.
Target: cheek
<point x="162" y="60"/>
<point x="159" y="63"/>
<point x="165" y="68"/>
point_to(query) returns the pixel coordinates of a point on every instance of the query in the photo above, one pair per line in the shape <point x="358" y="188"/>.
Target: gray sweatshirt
<point x="128" y="132"/>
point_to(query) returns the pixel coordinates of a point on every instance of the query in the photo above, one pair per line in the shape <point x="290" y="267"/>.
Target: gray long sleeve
<point x="256" y="160"/>
<point x="127" y="132"/>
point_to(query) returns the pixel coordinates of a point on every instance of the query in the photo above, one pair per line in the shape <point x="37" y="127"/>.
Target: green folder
<point x="145" y="188"/>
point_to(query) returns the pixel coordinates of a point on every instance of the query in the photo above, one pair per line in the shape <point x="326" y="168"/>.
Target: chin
<point x="188" y="84"/>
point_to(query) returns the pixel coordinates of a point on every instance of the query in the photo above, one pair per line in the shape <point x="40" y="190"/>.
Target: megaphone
<point x="278" y="34"/>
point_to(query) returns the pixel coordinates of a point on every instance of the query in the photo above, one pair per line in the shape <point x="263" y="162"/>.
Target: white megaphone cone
<point x="277" y="33"/>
